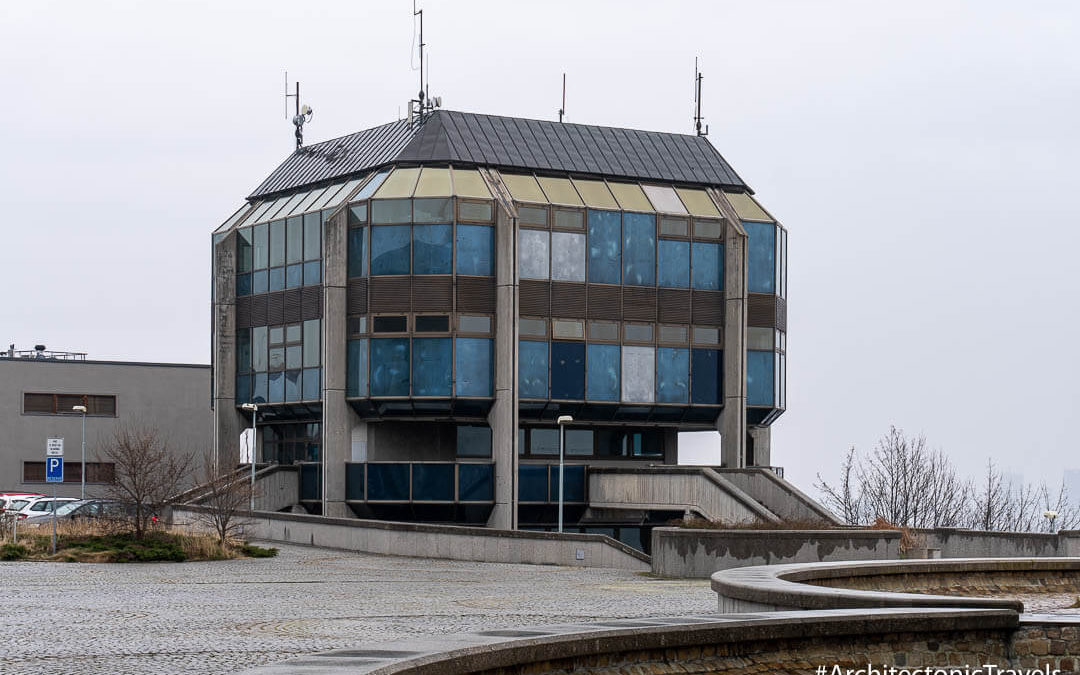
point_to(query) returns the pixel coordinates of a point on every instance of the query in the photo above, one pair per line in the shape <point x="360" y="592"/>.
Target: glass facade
<point x="278" y="255"/>
<point x="760" y="375"/>
<point x="279" y="364"/>
<point x="761" y="257"/>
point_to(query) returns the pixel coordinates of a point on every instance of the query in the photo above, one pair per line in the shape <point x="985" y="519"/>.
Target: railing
<point x="433" y="482"/>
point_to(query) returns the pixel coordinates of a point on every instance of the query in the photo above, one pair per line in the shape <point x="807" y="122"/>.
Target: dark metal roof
<point x="509" y="142"/>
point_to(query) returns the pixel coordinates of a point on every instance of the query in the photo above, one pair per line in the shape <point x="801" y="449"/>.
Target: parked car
<point x="85" y="510"/>
<point x="39" y="505"/>
<point x="7" y="498"/>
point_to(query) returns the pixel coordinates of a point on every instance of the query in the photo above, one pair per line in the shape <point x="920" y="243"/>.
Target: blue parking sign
<point x="54" y="469"/>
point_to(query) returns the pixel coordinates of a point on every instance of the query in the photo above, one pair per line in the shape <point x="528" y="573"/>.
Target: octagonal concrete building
<point x="413" y="307"/>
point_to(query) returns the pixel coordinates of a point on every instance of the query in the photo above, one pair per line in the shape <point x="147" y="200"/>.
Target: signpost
<point x="54" y="473"/>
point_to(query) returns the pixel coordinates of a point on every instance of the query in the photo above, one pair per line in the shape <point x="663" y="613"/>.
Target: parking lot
<point x="222" y="617"/>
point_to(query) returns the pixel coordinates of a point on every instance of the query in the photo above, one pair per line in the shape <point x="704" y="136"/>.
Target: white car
<point x="8" y="499"/>
<point x="42" y="505"/>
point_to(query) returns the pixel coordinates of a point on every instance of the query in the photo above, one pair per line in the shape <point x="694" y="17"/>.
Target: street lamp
<point x="82" y="471"/>
<point x="1051" y="516"/>
<point x="253" y="408"/>
<point x="561" y="421"/>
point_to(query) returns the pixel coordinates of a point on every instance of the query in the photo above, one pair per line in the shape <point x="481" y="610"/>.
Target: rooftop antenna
<point x="697" y="101"/>
<point x="303" y="113"/>
<point x="424" y="103"/>
<point x="562" y="110"/>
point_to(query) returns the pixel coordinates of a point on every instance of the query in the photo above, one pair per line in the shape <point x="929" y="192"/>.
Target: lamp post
<point x="1051" y="516"/>
<point x="562" y="421"/>
<point x="82" y="468"/>
<point x="253" y="408"/>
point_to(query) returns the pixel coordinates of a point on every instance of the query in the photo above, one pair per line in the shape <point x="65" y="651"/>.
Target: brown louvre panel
<point x="708" y="308"/>
<point x="674" y="305"/>
<point x="390" y="294"/>
<point x="534" y="298"/>
<point x="275" y="309"/>
<point x="293" y="302"/>
<point x="243" y="312"/>
<point x="781" y="313"/>
<point x="356" y="296"/>
<point x="311" y="302"/>
<point x="761" y="310"/>
<point x="258" y="310"/>
<point x="639" y="303"/>
<point x="605" y="302"/>
<point x="476" y="295"/>
<point x="432" y="294"/>
<point x="568" y="300"/>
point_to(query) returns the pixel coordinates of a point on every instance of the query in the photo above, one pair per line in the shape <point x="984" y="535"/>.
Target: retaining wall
<point x="434" y="541"/>
<point x="684" y="552"/>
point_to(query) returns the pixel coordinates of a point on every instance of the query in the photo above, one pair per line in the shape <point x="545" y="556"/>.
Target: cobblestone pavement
<point x="223" y="617"/>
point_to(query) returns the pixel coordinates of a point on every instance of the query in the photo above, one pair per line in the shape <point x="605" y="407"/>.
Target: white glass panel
<point x="664" y="199"/>
<point x="638" y="374"/>
<point x="533" y="254"/>
<point x="567" y="256"/>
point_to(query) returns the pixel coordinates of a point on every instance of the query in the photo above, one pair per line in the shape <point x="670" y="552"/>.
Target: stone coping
<point x="783" y="586"/>
<point x="398" y="526"/>
<point x="487" y="650"/>
<point x="765" y="535"/>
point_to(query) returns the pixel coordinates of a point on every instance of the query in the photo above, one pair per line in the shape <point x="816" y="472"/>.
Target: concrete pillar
<point x="227" y="421"/>
<point x="732" y="423"/>
<point x="503" y="417"/>
<point x="338" y="418"/>
<point x="762" y="437"/>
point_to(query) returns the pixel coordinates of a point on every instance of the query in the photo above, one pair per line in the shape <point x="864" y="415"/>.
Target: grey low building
<point x="41" y="388"/>
<point x="413" y="307"/>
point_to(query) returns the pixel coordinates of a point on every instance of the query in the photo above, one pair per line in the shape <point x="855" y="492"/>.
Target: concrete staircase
<point x="717" y="494"/>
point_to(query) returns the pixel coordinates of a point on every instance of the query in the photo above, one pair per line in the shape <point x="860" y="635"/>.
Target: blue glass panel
<point x="532" y="482"/>
<point x="532" y="369"/>
<point x="292" y="385"/>
<point x="674" y="263"/>
<point x="473" y="364"/>
<point x="573" y="483"/>
<point x="603" y="381"/>
<point x="476" y="482"/>
<point x="761" y="257"/>
<point x="431" y="366"/>
<point x="294" y="276"/>
<point x="433" y="249"/>
<point x="260" y="281"/>
<point x="759" y="378"/>
<point x="388" y="482"/>
<point x="356" y="373"/>
<point x="312" y="391"/>
<point x="312" y="273"/>
<point x="433" y="482"/>
<point x="568" y="370"/>
<point x="708" y="266"/>
<point x="604" y="237"/>
<point x="390" y="367"/>
<point x="639" y="249"/>
<point x="243" y="250"/>
<point x="277" y="278"/>
<point x="706" y="366"/>
<point x="310" y="482"/>
<point x="371" y="186"/>
<point x="475" y="250"/>
<point x="243" y="284"/>
<point x="277" y="387"/>
<point x="243" y="350"/>
<point x="390" y="249"/>
<point x="243" y="388"/>
<point x="473" y="441"/>
<point x="259" y="390"/>
<point x="354" y="482"/>
<point x="358" y="252"/>
<point x="672" y="375"/>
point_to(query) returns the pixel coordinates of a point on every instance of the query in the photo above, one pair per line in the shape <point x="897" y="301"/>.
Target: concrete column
<point x="762" y="437"/>
<point x="503" y="415"/>
<point x="338" y="418"/>
<point x="227" y="422"/>
<point x="732" y="422"/>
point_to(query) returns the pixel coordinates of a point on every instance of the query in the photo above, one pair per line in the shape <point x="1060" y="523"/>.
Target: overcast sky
<point x="922" y="154"/>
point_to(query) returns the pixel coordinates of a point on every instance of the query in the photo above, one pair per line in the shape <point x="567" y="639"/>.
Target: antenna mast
<point x="424" y="103"/>
<point x="697" y="101"/>
<point x="562" y="110"/>
<point x="303" y="113"/>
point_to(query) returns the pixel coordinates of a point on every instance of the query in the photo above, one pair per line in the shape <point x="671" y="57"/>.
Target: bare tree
<point x="147" y="472"/>
<point x="224" y="496"/>
<point x="994" y="505"/>
<point x="845" y="498"/>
